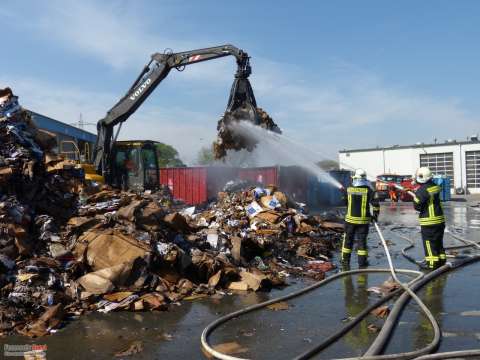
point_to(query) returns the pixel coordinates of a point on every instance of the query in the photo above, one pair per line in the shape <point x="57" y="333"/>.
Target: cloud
<point x="338" y="106"/>
<point x="58" y="101"/>
<point x="116" y="34"/>
<point x="355" y="108"/>
<point x="107" y="31"/>
<point x="6" y="14"/>
<point x="186" y="130"/>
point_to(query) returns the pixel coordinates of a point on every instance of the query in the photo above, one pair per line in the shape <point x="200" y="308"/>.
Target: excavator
<point x="133" y="164"/>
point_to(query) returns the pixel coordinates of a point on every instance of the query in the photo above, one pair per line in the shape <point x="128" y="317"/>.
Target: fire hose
<point x="383" y="337"/>
<point x="212" y="326"/>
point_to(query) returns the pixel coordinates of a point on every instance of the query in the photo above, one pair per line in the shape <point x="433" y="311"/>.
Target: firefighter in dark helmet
<point x="359" y="197"/>
<point x="431" y="217"/>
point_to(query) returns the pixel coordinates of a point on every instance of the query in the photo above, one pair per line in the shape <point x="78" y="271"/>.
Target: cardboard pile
<point x="37" y="194"/>
<point x="67" y="248"/>
<point x="263" y="223"/>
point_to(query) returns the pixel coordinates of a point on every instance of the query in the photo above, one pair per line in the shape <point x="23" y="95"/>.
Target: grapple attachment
<point x="242" y="106"/>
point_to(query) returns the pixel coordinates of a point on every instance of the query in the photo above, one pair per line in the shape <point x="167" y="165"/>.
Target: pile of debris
<point x="36" y="187"/>
<point x="228" y="139"/>
<point x="67" y="248"/>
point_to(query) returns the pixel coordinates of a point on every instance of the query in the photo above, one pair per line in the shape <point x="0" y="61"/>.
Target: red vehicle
<point x="408" y="184"/>
<point x="387" y="186"/>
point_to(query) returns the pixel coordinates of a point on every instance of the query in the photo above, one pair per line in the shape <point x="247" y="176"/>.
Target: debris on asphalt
<point x="134" y="348"/>
<point x="68" y="247"/>
<point x="282" y="305"/>
<point x="381" y="311"/>
<point x="372" y="328"/>
<point x="387" y="287"/>
<point x="229" y="348"/>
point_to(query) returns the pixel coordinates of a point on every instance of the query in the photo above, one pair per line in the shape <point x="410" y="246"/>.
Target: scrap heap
<point x="67" y="248"/>
<point x="228" y="139"/>
<point x="37" y="193"/>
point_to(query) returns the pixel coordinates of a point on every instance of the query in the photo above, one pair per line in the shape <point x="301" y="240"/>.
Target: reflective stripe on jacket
<point x="359" y="199"/>
<point x="428" y="203"/>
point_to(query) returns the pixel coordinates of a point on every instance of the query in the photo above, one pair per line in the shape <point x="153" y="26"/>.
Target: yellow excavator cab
<point x="135" y="165"/>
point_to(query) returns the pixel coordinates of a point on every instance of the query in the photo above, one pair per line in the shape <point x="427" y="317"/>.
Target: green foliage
<point x="168" y="156"/>
<point x="205" y="156"/>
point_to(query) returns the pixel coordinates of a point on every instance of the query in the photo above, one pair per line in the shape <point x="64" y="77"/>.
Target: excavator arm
<point x="241" y="94"/>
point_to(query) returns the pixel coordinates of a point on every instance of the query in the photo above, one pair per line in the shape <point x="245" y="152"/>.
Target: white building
<point x="458" y="160"/>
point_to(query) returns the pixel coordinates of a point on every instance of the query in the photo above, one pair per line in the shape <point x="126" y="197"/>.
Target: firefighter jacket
<point x="427" y="202"/>
<point x="359" y="199"/>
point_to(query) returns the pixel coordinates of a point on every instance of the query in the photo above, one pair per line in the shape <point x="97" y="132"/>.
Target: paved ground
<point x="284" y="334"/>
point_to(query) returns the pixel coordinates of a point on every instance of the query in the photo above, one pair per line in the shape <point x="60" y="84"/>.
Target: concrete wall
<point x="370" y="161"/>
<point x="401" y="161"/>
<point x="405" y="160"/>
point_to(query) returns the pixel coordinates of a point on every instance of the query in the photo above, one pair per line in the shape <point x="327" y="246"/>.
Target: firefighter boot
<point x="345" y="262"/>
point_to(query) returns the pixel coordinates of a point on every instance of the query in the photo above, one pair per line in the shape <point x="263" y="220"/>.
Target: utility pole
<point x="81" y="123"/>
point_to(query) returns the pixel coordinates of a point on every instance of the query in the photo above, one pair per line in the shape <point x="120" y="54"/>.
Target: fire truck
<point x="386" y="186"/>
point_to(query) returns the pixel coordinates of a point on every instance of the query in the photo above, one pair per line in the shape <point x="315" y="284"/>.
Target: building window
<point x="439" y="164"/>
<point x="472" y="165"/>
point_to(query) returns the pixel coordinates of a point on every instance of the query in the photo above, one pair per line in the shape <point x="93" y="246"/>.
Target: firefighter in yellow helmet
<point x="359" y="197"/>
<point x="431" y="217"/>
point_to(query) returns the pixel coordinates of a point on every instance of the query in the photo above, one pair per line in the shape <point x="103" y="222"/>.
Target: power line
<point x="81" y="123"/>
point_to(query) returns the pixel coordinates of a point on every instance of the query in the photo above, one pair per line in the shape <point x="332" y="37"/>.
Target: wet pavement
<point x="268" y="334"/>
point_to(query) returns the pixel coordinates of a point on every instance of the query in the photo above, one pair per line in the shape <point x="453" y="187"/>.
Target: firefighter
<point x="392" y="193"/>
<point x="431" y="217"/>
<point x="357" y="218"/>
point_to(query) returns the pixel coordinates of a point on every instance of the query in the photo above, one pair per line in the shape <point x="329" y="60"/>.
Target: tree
<point x="205" y="156"/>
<point x="328" y="165"/>
<point x="168" y="156"/>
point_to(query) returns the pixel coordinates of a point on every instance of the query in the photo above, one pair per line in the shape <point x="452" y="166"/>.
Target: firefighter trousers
<point x="360" y="231"/>
<point x="432" y="237"/>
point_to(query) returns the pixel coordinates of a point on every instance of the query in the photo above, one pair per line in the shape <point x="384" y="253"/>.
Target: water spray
<point x="288" y="149"/>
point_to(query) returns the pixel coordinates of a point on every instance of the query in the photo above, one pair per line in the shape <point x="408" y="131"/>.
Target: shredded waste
<point x="68" y="248"/>
<point x="228" y="139"/>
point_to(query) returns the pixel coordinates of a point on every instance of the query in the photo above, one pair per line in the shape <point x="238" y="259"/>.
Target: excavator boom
<point x="241" y="94"/>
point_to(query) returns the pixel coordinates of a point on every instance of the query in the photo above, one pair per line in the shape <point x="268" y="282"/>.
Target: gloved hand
<point x="375" y="216"/>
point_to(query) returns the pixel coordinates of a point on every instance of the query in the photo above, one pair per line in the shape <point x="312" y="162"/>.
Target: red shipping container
<point x="262" y="175"/>
<point x="186" y="184"/>
<point x="196" y="185"/>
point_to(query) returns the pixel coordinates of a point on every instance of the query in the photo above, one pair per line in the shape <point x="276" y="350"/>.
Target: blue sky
<point x="333" y="74"/>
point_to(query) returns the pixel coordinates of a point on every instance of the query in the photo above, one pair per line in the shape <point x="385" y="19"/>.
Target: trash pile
<point x="229" y="140"/>
<point x="36" y="187"/>
<point x="68" y="248"/>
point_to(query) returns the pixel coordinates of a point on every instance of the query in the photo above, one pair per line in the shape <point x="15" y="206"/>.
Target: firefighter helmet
<point x="423" y="174"/>
<point x="360" y="174"/>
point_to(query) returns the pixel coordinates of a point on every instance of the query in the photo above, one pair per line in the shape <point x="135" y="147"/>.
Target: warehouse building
<point x="66" y="134"/>
<point x="459" y="160"/>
